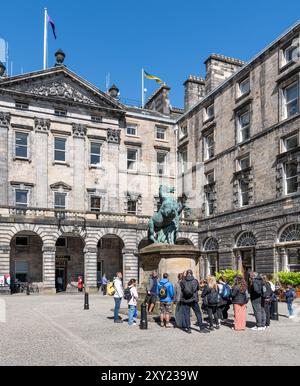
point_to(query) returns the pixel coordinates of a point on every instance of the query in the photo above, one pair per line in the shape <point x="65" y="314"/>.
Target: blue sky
<point x="171" y="39"/>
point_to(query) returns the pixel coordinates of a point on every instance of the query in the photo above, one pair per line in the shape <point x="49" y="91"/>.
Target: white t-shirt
<point x="119" y="288"/>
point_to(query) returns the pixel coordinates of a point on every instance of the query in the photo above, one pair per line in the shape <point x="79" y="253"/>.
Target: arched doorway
<point x="288" y="248"/>
<point x="109" y="256"/>
<point x="245" y="253"/>
<point x="211" y="257"/>
<point x="26" y="259"/>
<point x="69" y="262"/>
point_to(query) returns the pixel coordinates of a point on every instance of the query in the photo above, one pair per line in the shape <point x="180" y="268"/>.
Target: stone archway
<point x="109" y="256"/>
<point x="288" y="248"/>
<point x="210" y="255"/>
<point x="245" y="253"/>
<point x="26" y="259"/>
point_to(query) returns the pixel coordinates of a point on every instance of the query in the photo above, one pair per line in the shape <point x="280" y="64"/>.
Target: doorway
<point x="248" y="262"/>
<point x="61" y="266"/>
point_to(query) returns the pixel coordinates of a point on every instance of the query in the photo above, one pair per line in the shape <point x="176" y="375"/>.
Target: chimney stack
<point x="194" y="91"/>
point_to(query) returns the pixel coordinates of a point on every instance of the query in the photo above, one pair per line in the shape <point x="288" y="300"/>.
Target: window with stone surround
<point x="21" y="198"/>
<point x="161" y="159"/>
<point x="95" y="153"/>
<point x="243" y="183"/>
<point x="95" y="203"/>
<point x="131" y="129"/>
<point x="131" y="207"/>
<point x="209" y="194"/>
<point x="290" y="100"/>
<point x="209" y="145"/>
<point x="244" y="87"/>
<point x="183" y="159"/>
<point x="60" y="113"/>
<point x="22" y="144"/>
<point x="22" y="105"/>
<point x="243" y="125"/>
<point x="133" y="203"/>
<point x="60" y="200"/>
<point x="289" y="53"/>
<point x="288" y="172"/>
<point x="60" y="191"/>
<point x="60" y="149"/>
<point x="132" y="158"/>
<point x="209" y="113"/>
<point x="183" y="131"/>
<point x="289" y="142"/>
<point x="161" y="133"/>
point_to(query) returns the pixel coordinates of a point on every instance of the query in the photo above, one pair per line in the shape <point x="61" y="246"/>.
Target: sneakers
<point x="218" y="326"/>
<point x="258" y="328"/>
<point x="211" y="328"/>
<point x="291" y="316"/>
<point x="188" y="330"/>
<point x="168" y="325"/>
<point x="118" y="321"/>
<point x="204" y="331"/>
<point x="162" y="324"/>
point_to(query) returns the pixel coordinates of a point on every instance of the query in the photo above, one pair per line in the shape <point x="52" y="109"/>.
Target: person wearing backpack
<point x="165" y="292"/>
<point x="118" y="296"/>
<point x="224" y="303"/>
<point x="190" y="300"/>
<point x="268" y="297"/>
<point x="257" y="294"/>
<point x="131" y="295"/>
<point x="240" y="298"/>
<point x="151" y="292"/>
<point x="290" y="296"/>
<point x="211" y="298"/>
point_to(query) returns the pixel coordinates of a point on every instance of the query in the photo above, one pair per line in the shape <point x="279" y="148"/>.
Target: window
<point x="291" y="177"/>
<point x="61" y="242"/>
<point x="96" y="119"/>
<point x="290" y="143"/>
<point x="131" y="207"/>
<point x="161" y="163"/>
<point x="183" y="132"/>
<point x="22" y="241"/>
<point x="21" y="149"/>
<point x="59" y="200"/>
<point x="183" y="160"/>
<point x="210" y="178"/>
<point x="95" y="203"/>
<point x="244" y="86"/>
<point x="209" y="146"/>
<point x="160" y="133"/>
<point x="244" y="126"/>
<point x="22" y="105"/>
<point x="131" y="130"/>
<point x="290" y="54"/>
<point x="209" y="200"/>
<point x="290" y="101"/>
<point x="60" y="149"/>
<point x="60" y="113"/>
<point x="209" y="112"/>
<point x="244" y="192"/>
<point x="132" y="159"/>
<point x="244" y="163"/>
<point x="21" y="198"/>
<point x="95" y="155"/>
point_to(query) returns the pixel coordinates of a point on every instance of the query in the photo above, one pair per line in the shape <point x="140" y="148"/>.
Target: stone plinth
<point x="171" y="259"/>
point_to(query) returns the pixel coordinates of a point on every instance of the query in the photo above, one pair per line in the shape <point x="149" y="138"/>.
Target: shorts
<point x="165" y="308"/>
<point x="151" y="299"/>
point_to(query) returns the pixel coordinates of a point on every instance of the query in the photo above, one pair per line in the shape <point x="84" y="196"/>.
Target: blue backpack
<point x="226" y="291"/>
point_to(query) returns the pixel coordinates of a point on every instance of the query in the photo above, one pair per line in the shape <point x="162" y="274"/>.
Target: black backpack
<point x="127" y="294"/>
<point x="187" y="290"/>
<point x="163" y="291"/>
<point x="213" y="297"/>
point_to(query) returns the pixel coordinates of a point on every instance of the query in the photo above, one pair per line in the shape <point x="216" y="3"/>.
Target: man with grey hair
<point x="151" y="291"/>
<point x="257" y="291"/>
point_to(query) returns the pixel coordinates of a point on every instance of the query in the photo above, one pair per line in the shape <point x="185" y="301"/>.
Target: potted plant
<point x="229" y="275"/>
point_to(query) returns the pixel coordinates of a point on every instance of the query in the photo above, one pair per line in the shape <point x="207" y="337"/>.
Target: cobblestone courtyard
<point x="55" y="330"/>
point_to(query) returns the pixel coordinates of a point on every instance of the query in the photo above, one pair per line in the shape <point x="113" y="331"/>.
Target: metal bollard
<point x="274" y="310"/>
<point x="86" y="301"/>
<point x="144" y="320"/>
<point x="27" y="289"/>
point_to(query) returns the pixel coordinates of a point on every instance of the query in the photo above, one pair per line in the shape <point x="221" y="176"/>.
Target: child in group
<point x="131" y="295"/>
<point x="290" y="296"/>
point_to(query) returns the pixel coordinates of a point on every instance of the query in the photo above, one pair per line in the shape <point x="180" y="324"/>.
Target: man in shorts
<point x="165" y="292"/>
<point x="152" y="291"/>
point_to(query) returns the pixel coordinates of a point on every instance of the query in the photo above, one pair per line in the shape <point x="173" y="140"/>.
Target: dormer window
<point x="290" y="54"/>
<point x="244" y="87"/>
<point x="209" y="112"/>
<point x="289" y="143"/>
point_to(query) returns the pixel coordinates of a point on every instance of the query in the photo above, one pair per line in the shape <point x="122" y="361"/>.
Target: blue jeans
<point x="130" y="315"/>
<point x="117" y="308"/>
<point x="290" y="308"/>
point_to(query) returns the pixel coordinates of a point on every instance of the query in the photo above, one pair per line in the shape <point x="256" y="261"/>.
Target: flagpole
<point x="143" y="89"/>
<point x="45" y="39"/>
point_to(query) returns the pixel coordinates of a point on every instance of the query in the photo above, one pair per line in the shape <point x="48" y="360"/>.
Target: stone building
<point x="238" y="142"/>
<point x="80" y="171"/>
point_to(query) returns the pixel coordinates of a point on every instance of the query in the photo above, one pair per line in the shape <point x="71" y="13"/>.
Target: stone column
<point x="4" y="125"/>
<point x="42" y="128"/>
<point x="49" y="269"/>
<point x="79" y="133"/>
<point x="90" y="269"/>
<point x="4" y="265"/>
<point x="113" y="160"/>
<point x="130" y="265"/>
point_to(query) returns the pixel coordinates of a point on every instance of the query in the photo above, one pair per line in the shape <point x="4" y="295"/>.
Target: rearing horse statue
<point x="163" y="227"/>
